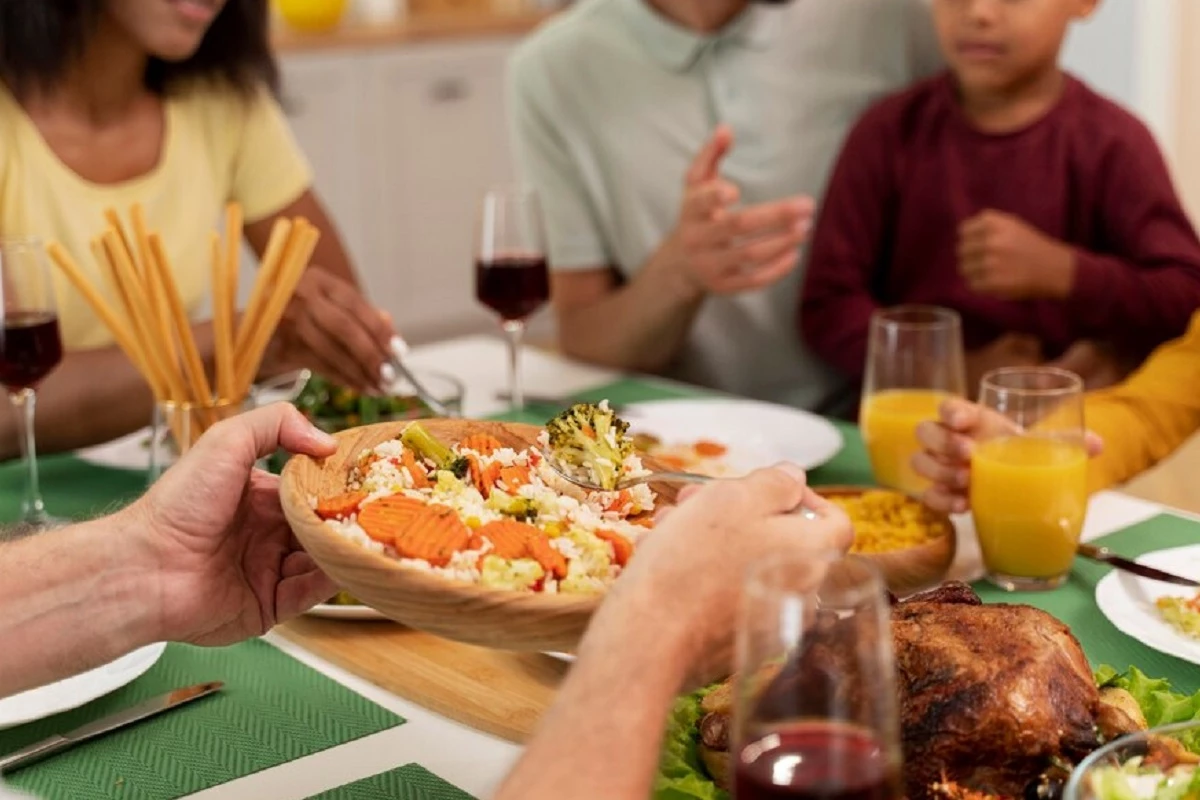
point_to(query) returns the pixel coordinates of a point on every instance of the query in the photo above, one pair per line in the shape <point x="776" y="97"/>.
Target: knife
<point x="143" y="710"/>
<point x="396" y="366"/>
<point x="1108" y="557"/>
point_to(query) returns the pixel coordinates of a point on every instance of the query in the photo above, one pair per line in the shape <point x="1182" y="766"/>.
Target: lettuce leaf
<point x="681" y="774"/>
<point x="1160" y="705"/>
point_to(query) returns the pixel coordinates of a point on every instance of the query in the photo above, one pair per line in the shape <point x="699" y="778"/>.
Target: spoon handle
<point x="667" y="477"/>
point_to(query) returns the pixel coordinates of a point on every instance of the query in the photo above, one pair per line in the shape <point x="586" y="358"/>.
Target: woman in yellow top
<point x="167" y="103"/>
<point x="1132" y="426"/>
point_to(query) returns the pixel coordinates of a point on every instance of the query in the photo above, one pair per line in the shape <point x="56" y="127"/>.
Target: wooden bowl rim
<point x="295" y="501"/>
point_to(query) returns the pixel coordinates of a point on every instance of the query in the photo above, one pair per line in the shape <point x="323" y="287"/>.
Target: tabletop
<point x="472" y="761"/>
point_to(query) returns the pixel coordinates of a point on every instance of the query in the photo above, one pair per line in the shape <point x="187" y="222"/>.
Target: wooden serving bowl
<point x="452" y="609"/>
<point x="911" y="569"/>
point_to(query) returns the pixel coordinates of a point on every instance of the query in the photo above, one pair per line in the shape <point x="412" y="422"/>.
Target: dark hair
<point x="40" y="38"/>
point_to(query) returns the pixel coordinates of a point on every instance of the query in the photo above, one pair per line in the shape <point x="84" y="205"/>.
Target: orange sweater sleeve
<point x="1144" y="419"/>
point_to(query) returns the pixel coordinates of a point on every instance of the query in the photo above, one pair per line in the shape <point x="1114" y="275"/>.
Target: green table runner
<point x="272" y="710"/>
<point x="410" y="782"/>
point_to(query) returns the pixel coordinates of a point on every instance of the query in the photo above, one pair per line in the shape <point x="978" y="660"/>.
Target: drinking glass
<point x="914" y="362"/>
<point x="177" y="427"/>
<point x="1029" y="477"/>
<point x="30" y="348"/>
<point x="510" y="268"/>
<point x="815" y="708"/>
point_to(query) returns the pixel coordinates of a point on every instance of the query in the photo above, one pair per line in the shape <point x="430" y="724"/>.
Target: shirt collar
<point x="677" y="48"/>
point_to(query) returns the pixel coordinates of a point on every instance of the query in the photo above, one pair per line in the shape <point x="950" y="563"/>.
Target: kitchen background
<point x="400" y="107"/>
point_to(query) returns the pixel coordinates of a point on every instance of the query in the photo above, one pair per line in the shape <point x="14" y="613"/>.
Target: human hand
<point x="948" y="444"/>
<point x="1003" y="256"/>
<point x="723" y="250"/>
<point x="330" y="328"/>
<point x="1010" y="350"/>
<point x="1096" y="363"/>
<point x="690" y="570"/>
<point x="223" y="562"/>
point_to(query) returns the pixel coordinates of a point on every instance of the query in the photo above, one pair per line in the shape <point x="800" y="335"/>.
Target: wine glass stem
<point x="514" y="331"/>
<point x="24" y="401"/>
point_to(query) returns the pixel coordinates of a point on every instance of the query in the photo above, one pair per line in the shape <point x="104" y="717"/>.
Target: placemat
<point x="850" y="466"/>
<point x="71" y="487"/>
<point x="272" y="710"/>
<point x="1075" y="603"/>
<point x="410" y="782"/>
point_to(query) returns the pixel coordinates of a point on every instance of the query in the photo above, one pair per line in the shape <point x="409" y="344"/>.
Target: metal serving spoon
<point x="653" y="477"/>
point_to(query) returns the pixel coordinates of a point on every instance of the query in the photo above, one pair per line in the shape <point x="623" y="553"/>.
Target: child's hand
<point x="1001" y="255"/>
<point x="721" y="249"/>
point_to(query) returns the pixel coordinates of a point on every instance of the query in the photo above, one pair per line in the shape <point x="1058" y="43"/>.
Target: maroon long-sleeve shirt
<point x="1088" y="174"/>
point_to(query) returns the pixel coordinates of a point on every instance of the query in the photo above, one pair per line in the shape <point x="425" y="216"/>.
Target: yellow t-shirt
<point x="218" y="146"/>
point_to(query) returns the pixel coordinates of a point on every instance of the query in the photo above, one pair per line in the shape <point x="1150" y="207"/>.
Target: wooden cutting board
<point x="495" y="691"/>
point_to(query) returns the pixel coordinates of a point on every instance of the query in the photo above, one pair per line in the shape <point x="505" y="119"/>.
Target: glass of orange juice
<point x="914" y="362"/>
<point x="1029" y="479"/>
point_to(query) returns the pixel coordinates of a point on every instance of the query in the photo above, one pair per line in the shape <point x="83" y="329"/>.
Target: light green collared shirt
<point x="610" y="102"/>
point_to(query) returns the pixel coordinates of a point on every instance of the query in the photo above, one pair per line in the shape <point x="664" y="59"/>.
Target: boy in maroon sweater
<point x="1009" y="191"/>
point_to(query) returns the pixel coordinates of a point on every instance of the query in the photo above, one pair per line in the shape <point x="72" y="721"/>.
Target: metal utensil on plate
<point x="653" y="477"/>
<point x="144" y="710"/>
<point x="552" y="402"/>
<point x="398" y="367"/>
<point x="1104" y="555"/>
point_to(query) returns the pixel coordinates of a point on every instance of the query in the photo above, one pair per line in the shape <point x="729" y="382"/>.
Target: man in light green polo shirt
<point x="676" y="145"/>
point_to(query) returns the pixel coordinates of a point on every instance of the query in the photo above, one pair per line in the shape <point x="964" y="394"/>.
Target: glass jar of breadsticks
<point x="138" y="300"/>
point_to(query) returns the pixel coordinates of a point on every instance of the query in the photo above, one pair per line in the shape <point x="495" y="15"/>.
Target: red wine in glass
<point x="30" y="348"/>
<point x="513" y="286"/>
<point x="816" y="761"/>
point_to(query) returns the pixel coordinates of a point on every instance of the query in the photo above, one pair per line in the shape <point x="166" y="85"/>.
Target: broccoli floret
<point x="423" y="443"/>
<point x="459" y="466"/>
<point x="591" y="437"/>
<point x="519" y="508"/>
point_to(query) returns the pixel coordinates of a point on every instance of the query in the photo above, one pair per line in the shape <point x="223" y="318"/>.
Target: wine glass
<point x="914" y="362"/>
<point x="1029" y="477"/>
<point x="30" y="348"/>
<point x="510" y="268"/>
<point x="815" y="707"/>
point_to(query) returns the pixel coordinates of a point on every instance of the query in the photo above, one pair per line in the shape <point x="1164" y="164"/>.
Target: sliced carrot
<point x="490" y="474"/>
<point x="434" y="534"/>
<point x="515" y="477"/>
<point x="509" y="538"/>
<point x="388" y="517"/>
<point x="622" y="547"/>
<point x="551" y="560"/>
<point x="710" y="449"/>
<point x="619" y="502"/>
<point x="483" y="443"/>
<point x="420" y="477"/>
<point x="476" y="473"/>
<point x="340" y="505"/>
<point x="643" y="520"/>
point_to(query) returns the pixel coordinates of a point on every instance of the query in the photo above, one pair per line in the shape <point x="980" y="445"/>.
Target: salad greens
<point x="681" y="775"/>
<point x="334" y="408"/>
<point x="1131" y="781"/>
<point x="1160" y="705"/>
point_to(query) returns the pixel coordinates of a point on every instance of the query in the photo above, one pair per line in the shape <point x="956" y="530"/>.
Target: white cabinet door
<point x="324" y="100"/>
<point x="440" y="140"/>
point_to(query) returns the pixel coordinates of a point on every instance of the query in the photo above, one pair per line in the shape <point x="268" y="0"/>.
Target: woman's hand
<point x="948" y="444"/>
<point x="330" y="328"/>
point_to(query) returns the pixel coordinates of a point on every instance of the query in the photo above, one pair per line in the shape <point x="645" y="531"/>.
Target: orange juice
<point x="889" y="425"/>
<point x="1029" y="497"/>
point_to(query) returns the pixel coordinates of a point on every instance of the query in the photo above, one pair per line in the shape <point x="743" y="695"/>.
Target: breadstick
<point x="222" y="322"/>
<point x="114" y="221"/>
<point x="281" y="233"/>
<point x="299" y="251"/>
<point x="202" y="392"/>
<point x="159" y="307"/>
<point x="121" y="333"/>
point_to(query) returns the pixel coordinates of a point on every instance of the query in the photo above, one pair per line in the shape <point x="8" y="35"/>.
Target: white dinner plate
<point x="329" y="611"/>
<point x="74" y="692"/>
<point x="1128" y="601"/>
<point x="757" y="434"/>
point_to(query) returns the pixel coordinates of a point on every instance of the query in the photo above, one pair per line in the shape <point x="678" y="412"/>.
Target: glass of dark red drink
<point x="815" y="709"/>
<point x="30" y="349"/>
<point x="510" y="268"/>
